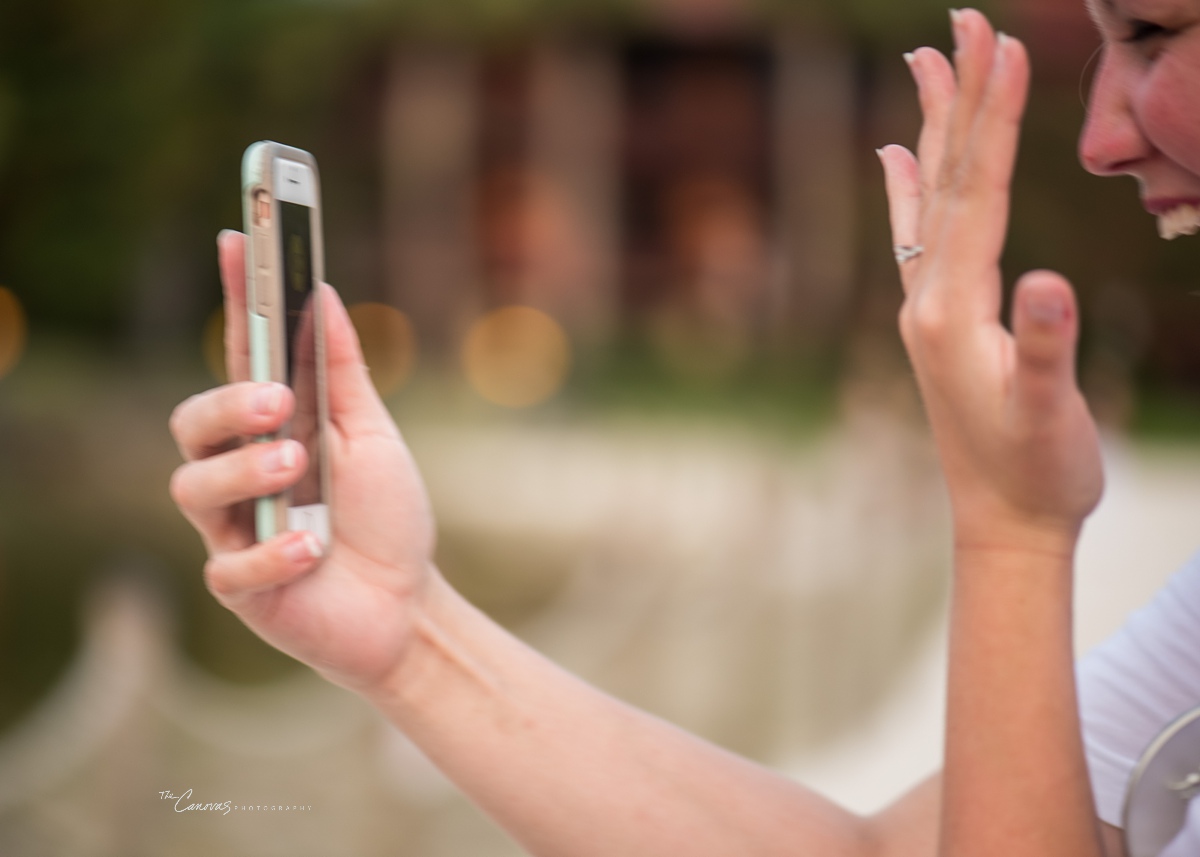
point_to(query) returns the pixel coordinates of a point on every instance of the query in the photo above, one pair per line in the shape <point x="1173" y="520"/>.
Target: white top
<point x="1134" y="684"/>
<point x="1187" y="843"/>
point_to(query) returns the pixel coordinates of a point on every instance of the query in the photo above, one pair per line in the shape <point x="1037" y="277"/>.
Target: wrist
<point x="440" y="653"/>
<point x="1016" y="565"/>
<point x="1001" y="532"/>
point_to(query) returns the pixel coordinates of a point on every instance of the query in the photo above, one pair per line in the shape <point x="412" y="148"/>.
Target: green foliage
<point x="123" y="118"/>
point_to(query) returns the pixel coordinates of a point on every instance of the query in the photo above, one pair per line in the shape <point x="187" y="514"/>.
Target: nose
<point x="1112" y="143"/>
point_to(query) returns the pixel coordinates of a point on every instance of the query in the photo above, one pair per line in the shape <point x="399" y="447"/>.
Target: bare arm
<point x="566" y="769"/>
<point x="571" y="771"/>
<point x="1015" y="778"/>
<point x="1019" y="452"/>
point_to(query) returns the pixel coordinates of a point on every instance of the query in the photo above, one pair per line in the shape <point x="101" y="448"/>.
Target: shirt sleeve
<point x="1136" y="682"/>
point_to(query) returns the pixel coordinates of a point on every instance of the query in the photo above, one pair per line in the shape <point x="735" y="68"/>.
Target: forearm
<point x="1015" y="779"/>
<point x="568" y="770"/>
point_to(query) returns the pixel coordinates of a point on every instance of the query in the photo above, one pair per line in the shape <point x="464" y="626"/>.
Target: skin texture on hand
<point x="1017" y="443"/>
<point x="1020" y="454"/>
<point x="349" y="615"/>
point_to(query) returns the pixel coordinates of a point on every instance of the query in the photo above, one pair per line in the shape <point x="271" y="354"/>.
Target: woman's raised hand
<point x="1017" y="442"/>
<point x="349" y="614"/>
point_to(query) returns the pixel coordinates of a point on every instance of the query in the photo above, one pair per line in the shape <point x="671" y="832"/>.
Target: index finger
<point x="231" y="257"/>
<point x="217" y="419"/>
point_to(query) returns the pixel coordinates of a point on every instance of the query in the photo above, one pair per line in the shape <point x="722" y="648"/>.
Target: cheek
<point x="1166" y="108"/>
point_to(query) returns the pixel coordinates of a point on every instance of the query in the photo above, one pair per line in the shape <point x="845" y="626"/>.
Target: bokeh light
<point x="212" y="344"/>
<point x="13" y="331"/>
<point x="516" y="356"/>
<point x="389" y="344"/>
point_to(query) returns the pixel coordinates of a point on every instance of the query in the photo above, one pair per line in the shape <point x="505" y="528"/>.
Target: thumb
<point x="1046" y="329"/>
<point x="354" y="404"/>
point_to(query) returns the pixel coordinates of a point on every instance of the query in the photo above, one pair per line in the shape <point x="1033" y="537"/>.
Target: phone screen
<point x="299" y="293"/>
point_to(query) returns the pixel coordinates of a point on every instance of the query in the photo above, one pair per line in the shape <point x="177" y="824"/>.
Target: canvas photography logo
<point x="187" y="802"/>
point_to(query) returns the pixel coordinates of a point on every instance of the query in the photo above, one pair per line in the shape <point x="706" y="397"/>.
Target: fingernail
<point x="910" y="58"/>
<point x="1002" y="39"/>
<point x="879" y="152"/>
<point x="1046" y="308"/>
<point x="267" y="399"/>
<point x="997" y="59"/>
<point x="306" y="547"/>
<point x="281" y="457"/>
<point x="222" y="235"/>
<point x="956" y="26"/>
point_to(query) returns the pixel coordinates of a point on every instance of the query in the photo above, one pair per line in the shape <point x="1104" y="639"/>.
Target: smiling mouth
<point x="1180" y="220"/>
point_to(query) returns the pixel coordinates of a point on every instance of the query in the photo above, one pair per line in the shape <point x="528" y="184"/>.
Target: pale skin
<point x="1019" y="452"/>
<point x="376" y="616"/>
<point x="568" y="770"/>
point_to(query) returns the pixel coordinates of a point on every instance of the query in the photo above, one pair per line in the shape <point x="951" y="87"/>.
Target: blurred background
<point x="622" y="272"/>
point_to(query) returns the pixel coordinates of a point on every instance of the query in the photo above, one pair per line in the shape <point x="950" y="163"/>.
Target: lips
<point x="1162" y="204"/>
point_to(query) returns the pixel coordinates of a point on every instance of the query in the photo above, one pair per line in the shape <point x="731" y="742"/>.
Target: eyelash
<point x="1144" y="31"/>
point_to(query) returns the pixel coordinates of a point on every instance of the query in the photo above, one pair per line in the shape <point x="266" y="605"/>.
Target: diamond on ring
<point x="907" y="252"/>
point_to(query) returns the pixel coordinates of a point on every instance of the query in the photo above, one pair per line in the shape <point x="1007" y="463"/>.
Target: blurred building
<point x="693" y="179"/>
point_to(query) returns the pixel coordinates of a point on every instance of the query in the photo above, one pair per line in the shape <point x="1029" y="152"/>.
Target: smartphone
<point x="285" y="265"/>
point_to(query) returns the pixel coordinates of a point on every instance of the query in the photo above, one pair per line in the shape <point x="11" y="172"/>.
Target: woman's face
<point x="1144" y="114"/>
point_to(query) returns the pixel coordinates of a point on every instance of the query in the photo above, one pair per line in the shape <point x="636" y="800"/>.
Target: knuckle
<point x="905" y="324"/>
<point x="974" y="183"/>
<point x="178" y="421"/>
<point x="216" y="578"/>
<point x="930" y="322"/>
<point x="947" y="178"/>
<point x="1039" y="359"/>
<point x="180" y="487"/>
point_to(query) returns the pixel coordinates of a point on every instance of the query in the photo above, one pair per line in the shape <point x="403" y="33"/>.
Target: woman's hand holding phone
<point x="349" y="614"/>
<point x="1017" y="442"/>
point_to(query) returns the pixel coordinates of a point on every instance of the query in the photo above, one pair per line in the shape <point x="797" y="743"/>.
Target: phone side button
<point x="262" y="276"/>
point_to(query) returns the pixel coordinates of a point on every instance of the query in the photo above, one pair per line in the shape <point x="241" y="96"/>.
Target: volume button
<point x="263" y="287"/>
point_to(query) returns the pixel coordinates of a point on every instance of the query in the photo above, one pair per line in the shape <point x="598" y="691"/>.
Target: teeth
<point x="1181" y="220"/>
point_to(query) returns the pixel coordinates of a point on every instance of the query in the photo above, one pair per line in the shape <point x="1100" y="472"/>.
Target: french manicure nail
<point x="303" y="549"/>
<point x="910" y="58"/>
<point x="267" y="399"/>
<point x="956" y="23"/>
<point x="282" y="457"/>
<point x="1001" y="40"/>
